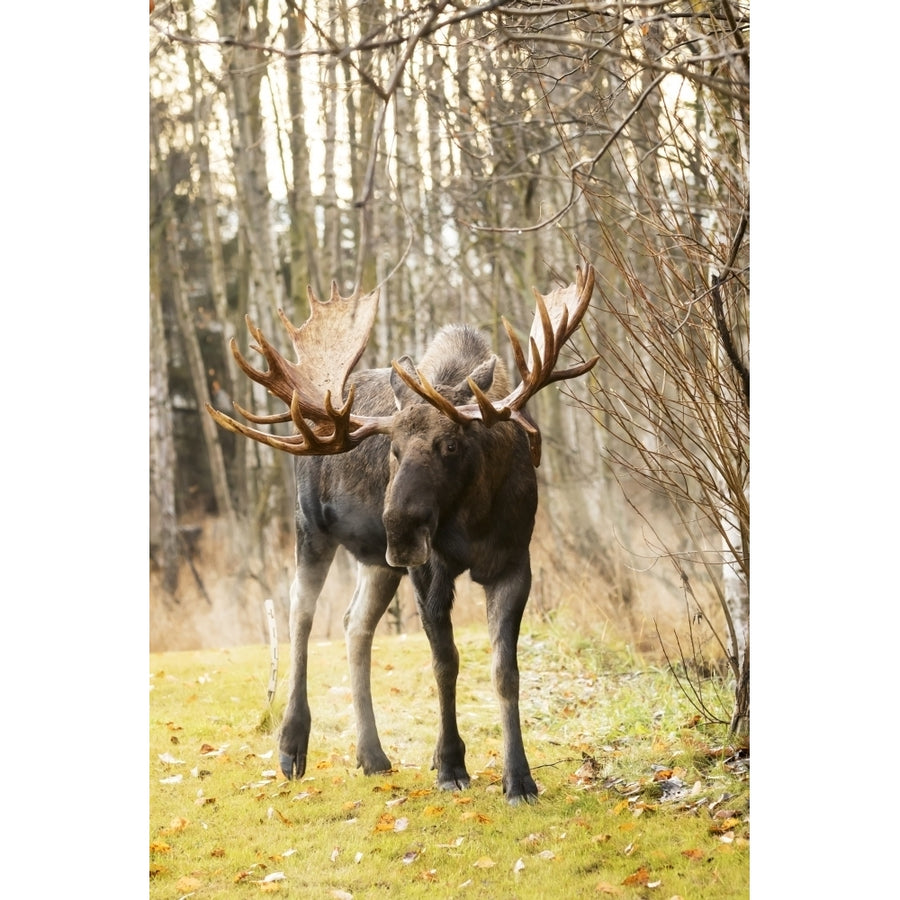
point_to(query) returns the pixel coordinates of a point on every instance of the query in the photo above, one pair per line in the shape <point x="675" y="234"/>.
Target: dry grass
<point x="619" y="590"/>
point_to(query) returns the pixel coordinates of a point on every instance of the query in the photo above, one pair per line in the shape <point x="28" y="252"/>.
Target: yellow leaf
<point x="187" y="884"/>
<point x="472" y="816"/>
<point x="484" y="863"/>
<point x="433" y="811"/>
<point x="177" y="824"/>
<point x="159" y="847"/>
<point x="385" y="822"/>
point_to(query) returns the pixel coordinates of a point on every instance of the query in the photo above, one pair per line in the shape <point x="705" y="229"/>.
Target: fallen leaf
<point x="170" y="760"/>
<point x="642" y="876"/>
<point x="547" y="854"/>
<point x="272" y="876"/>
<point x="341" y="895"/>
<point x="478" y="817"/>
<point x="172" y="779"/>
<point x="433" y="811"/>
<point x="693" y="853"/>
<point x="385" y="822"/>
<point x="519" y="865"/>
<point x="410" y="857"/>
<point x="401" y="824"/>
<point x="159" y="847"/>
<point x="187" y="884"/>
<point x="604" y="887"/>
<point x="453" y="846"/>
<point x="484" y="863"/>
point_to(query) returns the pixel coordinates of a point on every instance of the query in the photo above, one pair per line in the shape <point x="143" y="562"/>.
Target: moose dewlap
<point x="425" y="471"/>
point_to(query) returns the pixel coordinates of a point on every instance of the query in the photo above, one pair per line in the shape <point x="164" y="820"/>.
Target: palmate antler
<point x="557" y="316"/>
<point x="331" y="342"/>
<point x="328" y="345"/>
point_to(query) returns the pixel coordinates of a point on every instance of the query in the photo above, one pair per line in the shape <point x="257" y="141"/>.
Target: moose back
<point x="426" y="471"/>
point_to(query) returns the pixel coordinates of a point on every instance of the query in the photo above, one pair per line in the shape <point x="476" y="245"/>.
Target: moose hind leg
<point x="434" y="596"/>
<point x="313" y="561"/>
<point x="375" y="588"/>
<point x="506" y="599"/>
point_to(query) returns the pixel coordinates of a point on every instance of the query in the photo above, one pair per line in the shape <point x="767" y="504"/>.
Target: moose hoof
<point x="458" y="781"/>
<point x="522" y="790"/>
<point x="293" y="766"/>
<point x="374" y="764"/>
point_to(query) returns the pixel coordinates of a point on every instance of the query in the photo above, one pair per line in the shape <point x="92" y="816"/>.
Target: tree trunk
<point x="301" y="207"/>
<point x="163" y="519"/>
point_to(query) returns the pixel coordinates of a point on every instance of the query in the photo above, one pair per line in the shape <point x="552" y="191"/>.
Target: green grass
<point x="602" y="732"/>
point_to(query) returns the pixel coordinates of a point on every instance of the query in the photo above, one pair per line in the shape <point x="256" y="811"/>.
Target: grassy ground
<point x="638" y="799"/>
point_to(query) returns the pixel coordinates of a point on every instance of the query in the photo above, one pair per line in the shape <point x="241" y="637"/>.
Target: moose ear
<point x="402" y="393"/>
<point x="482" y="375"/>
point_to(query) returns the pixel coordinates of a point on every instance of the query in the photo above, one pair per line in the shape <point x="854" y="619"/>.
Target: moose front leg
<point x="506" y="599"/>
<point x="313" y="562"/>
<point x="375" y="588"/>
<point x="434" y="597"/>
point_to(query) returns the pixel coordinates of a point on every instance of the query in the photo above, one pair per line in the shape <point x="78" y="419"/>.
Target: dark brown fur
<point x="433" y="499"/>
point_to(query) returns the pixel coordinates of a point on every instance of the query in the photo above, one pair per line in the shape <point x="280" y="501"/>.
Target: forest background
<point x="456" y="156"/>
<point x="76" y="192"/>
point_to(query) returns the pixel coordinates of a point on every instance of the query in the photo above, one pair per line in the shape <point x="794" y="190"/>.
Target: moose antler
<point x="557" y="316"/>
<point x="328" y="345"/>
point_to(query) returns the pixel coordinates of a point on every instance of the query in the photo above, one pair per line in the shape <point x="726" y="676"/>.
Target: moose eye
<point x="451" y="447"/>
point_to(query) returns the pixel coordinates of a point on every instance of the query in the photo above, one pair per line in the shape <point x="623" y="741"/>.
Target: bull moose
<point x="426" y="471"/>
